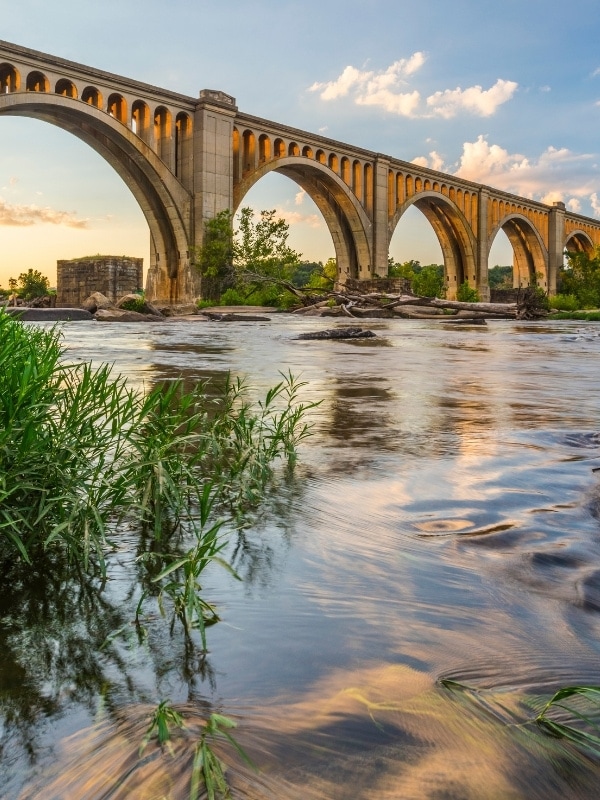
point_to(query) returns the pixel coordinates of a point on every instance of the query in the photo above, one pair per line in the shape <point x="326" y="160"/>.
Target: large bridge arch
<point x="458" y="243"/>
<point x="346" y="219"/>
<point x="579" y="241"/>
<point x="530" y="255"/>
<point x="165" y="203"/>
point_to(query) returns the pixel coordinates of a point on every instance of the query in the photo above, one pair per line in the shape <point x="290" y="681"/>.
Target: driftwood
<point x="357" y="305"/>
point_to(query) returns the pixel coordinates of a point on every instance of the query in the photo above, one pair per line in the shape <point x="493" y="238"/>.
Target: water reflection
<point x="442" y="524"/>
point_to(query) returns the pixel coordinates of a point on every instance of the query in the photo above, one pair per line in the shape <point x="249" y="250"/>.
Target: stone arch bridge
<point x="185" y="159"/>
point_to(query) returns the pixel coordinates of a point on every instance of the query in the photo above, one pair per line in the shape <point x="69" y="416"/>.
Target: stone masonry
<point x="113" y="276"/>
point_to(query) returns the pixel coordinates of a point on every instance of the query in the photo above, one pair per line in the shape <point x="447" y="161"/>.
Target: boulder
<point x="339" y="333"/>
<point x="96" y="301"/>
<point x="142" y="306"/>
<point x="178" y="310"/>
<point x="121" y="315"/>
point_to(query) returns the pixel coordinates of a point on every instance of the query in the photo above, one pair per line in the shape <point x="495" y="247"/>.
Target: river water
<point x="410" y="599"/>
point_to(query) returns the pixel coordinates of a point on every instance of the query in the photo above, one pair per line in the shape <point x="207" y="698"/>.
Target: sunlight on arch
<point x="45" y="167"/>
<point x="415" y="240"/>
<point x="308" y="231"/>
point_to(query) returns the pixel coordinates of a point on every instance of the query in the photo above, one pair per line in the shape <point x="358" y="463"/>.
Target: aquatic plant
<point x="81" y="453"/>
<point x="581" y="727"/>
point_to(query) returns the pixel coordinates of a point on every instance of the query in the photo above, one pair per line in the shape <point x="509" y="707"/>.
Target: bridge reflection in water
<point x="442" y="523"/>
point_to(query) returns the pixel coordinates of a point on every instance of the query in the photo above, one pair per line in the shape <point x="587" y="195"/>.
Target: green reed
<point x="82" y="453"/>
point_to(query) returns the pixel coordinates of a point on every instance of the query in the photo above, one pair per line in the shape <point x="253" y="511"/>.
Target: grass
<point x="583" y="316"/>
<point x="82" y="454"/>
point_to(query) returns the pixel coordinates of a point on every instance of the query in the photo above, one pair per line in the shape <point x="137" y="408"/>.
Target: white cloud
<point x="299" y="197"/>
<point x="596" y="72"/>
<point x="24" y="216"/>
<point x="297" y="217"/>
<point x="388" y="89"/>
<point x="435" y="161"/>
<point x="476" y="100"/>
<point x="556" y="175"/>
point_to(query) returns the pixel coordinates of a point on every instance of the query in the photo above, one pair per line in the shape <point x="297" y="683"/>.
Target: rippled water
<point x="442" y="524"/>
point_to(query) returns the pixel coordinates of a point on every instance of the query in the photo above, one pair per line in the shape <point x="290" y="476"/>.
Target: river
<point x="410" y="599"/>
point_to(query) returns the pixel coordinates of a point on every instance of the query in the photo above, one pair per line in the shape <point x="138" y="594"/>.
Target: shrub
<point x="466" y="294"/>
<point x="564" y="302"/>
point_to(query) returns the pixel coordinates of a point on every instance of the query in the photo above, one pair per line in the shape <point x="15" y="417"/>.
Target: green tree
<point x="581" y="277"/>
<point x="500" y="277"/>
<point x="408" y="269"/>
<point x="214" y="259"/>
<point x="467" y="294"/>
<point x="326" y="277"/>
<point x="429" y="281"/>
<point x="31" y="284"/>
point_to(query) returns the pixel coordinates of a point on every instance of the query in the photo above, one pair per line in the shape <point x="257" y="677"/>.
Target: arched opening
<point x="183" y="149"/>
<point x="346" y="220"/>
<point x="579" y="242"/>
<point x="264" y="148"/>
<point x="307" y="152"/>
<point x="530" y="259"/>
<point x="66" y="88"/>
<point x="92" y="96"/>
<point x="10" y="80"/>
<point x="357" y="179"/>
<point x="414" y="244"/>
<point x="453" y="236"/>
<point x="293" y="149"/>
<point x="37" y="82"/>
<point x="308" y="231"/>
<point x="163" y="134"/>
<point x="249" y="154"/>
<point x="140" y="121"/>
<point x="70" y="221"/>
<point x="500" y="265"/>
<point x="158" y="194"/>
<point x="279" y="148"/>
<point x="117" y="108"/>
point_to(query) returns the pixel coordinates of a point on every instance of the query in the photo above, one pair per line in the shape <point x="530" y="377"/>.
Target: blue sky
<point x="506" y="93"/>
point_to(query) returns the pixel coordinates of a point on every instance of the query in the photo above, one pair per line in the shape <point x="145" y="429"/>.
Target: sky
<point x="506" y="94"/>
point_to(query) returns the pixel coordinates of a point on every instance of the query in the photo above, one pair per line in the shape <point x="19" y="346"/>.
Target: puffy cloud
<point x="388" y="89"/>
<point x="24" y="216"/>
<point x="299" y="197"/>
<point x="298" y="218"/>
<point x="475" y="100"/>
<point x="576" y="175"/>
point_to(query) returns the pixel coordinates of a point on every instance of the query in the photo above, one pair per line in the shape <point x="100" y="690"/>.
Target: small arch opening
<point x="65" y="88"/>
<point x="37" y="82"/>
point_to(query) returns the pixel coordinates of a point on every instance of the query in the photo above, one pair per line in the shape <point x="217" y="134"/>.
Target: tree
<point x="215" y="258"/>
<point x="326" y="277"/>
<point x="252" y="261"/>
<point x="429" y="281"/>
<point x="581" y="277"/>
<point x="261" y="251"/>
<point x="31" y="284"/>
